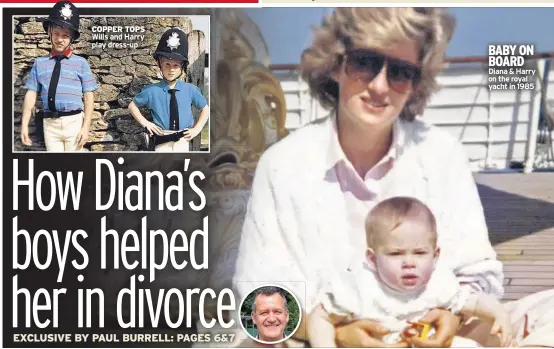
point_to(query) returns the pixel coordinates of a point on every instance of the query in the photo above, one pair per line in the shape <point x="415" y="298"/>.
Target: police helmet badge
<point x="66" y="12"/>
<point x="173" y="42"/>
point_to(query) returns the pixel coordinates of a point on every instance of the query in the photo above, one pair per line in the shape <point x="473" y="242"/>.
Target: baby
<point x="400" y="281"/>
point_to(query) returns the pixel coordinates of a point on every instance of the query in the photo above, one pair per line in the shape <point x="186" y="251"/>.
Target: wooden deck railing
<point x="468" y="59"/>
<point x="543" y="68"/>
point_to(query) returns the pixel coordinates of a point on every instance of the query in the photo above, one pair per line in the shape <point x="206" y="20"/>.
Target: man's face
<point x="271" y="317"/>
<point x="61" y="37"/>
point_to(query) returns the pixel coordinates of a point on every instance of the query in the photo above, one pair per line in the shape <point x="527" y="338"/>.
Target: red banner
<point x="199" y="2"/>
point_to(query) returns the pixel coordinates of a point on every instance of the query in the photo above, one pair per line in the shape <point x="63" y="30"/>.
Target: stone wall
<point x="121" y="74"/>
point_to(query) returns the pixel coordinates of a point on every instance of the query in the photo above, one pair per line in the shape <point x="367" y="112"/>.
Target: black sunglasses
<point x="365" y="65"/>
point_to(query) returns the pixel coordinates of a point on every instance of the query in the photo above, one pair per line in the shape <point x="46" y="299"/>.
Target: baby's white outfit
<point x="358" y="294"/>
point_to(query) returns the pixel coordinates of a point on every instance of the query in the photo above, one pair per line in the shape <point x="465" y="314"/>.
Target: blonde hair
<point x="377" y="28"/>
<point x="389" y="214"/>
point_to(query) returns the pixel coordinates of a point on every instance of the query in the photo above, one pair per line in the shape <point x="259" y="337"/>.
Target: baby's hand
<point x="503" y="328"/>
<point x="410" y="332"/>
<point x="418" y="329"/>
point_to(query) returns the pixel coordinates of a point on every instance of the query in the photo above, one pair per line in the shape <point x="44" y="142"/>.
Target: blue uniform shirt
<point x="156" y="98"/>
<point x="76" y="78"/>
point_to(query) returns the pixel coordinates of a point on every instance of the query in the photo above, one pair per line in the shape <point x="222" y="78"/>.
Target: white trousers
<point x="60" y="134"/>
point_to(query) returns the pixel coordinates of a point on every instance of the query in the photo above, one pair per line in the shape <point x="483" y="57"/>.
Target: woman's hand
<point x="503" y="329"/>
<point x="446" y="324"/>
<point x="363" y="334"/>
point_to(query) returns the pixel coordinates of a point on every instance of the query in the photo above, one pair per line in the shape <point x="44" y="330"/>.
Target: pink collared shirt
<point x="360" y="194"/>
<point x="367" y="188"/>
<point x="305" y="218"/>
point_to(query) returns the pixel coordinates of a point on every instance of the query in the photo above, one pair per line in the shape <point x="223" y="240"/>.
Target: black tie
<point x="54" y="83"/>
<point x="173" y="111"/>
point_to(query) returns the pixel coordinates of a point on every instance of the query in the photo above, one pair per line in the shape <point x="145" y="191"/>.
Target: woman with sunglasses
<point x="375" y="69"/>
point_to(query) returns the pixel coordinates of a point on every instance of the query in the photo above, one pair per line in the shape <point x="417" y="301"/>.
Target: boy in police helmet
<point x="170" y="100"/>
<point x="63" y="79"/>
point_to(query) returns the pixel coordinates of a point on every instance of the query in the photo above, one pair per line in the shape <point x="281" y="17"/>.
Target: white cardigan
<point x="292" y="230"/>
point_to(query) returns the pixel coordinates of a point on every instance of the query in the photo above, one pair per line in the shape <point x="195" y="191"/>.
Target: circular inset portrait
<point x="270" y="314"/>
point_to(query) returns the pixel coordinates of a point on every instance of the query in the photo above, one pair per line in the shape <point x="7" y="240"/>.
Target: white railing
<point x="498" y="128"/>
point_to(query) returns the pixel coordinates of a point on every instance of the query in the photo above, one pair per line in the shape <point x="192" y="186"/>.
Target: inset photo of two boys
<point x="110" y="83"/>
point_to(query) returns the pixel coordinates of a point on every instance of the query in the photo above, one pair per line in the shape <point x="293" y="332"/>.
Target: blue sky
<point x="287" y="30"/>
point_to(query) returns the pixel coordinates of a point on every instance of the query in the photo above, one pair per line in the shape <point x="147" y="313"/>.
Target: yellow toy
<point x="422" y="329"/>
